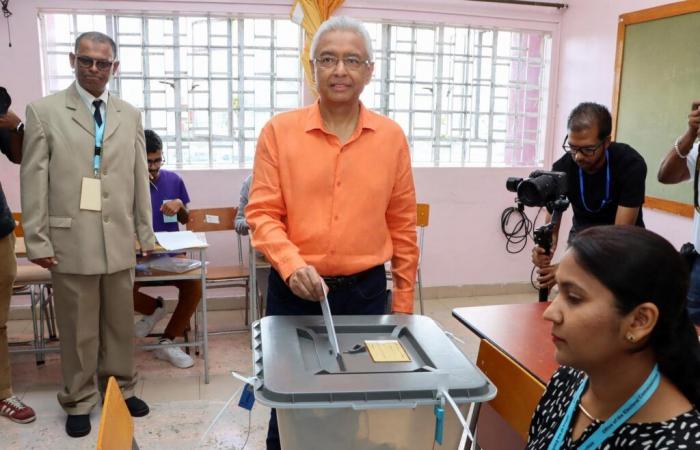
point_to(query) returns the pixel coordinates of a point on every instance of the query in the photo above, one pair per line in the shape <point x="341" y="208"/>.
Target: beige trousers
<point x="8" y="271"/>
<point x="95" y="318"/>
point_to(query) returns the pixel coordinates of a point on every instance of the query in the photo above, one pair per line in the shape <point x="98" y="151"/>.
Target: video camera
<point x="542" y="188"/>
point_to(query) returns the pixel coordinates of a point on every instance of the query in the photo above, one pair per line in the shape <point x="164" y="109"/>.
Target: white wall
<point x="464" y="244"/>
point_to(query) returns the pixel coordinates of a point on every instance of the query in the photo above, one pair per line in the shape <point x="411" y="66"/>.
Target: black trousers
<point x="365" y="294"/>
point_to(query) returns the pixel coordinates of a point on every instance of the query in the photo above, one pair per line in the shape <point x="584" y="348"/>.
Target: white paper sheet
<point x="179" y="240"/>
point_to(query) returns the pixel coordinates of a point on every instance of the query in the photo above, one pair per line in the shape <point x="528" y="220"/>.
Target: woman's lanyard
<point x="97" y="158"/>
<point x="607" y="185"/>
<point x="631" y="406"/>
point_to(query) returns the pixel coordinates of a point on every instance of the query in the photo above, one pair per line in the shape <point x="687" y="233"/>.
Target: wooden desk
<point x="518" y="331"/>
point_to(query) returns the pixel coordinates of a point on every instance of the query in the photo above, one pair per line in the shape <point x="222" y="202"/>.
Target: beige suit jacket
<point x="58" y="149"/>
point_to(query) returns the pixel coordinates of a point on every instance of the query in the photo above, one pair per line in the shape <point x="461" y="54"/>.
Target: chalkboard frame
<point x="636" y="17"/>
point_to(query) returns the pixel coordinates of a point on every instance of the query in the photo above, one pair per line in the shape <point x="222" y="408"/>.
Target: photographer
<point x="605" y="180"/>
<point x="679" y="165"/>
<point x="11" y="135"/>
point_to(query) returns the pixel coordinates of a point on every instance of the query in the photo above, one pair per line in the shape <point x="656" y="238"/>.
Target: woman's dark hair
<point x="587" y="115"/>
<point x="639" y="266"/>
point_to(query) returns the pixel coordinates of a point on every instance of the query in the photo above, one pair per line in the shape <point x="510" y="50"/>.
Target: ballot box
<point x="379" y="393"/>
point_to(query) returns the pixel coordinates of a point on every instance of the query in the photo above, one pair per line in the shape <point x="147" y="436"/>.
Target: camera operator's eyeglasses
<point x="86" y="62"/>
<point x="157" y="161"/>
<point x="573" y="149"/>
<point x="350" y="62"/>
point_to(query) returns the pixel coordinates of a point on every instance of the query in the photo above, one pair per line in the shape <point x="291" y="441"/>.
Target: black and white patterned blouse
<point x="681" y="432"/>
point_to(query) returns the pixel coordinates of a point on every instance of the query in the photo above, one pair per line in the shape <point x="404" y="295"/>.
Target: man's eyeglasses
<point x="86" y="62"/>
<point x="155" y="162"/>
<point x="573" y="149"/>
<point x="350" y="62"/>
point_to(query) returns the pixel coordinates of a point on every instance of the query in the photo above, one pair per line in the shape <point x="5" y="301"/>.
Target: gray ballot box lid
<point x="295" y="368"/>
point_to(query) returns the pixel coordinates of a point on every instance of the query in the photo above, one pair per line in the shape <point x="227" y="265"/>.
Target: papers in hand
<point x="330" y="328"/>
<point x="178" y="240"/>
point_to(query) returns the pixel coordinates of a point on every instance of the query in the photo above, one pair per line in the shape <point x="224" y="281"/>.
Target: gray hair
<point x="96" y="36"/>
<point x="343" y="23"/>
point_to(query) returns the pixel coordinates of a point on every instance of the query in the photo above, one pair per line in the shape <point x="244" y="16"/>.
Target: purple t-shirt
<point x="168" y="186"/>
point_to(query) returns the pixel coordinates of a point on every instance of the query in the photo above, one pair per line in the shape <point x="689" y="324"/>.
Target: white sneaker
<point x="144" y="326"/>
<point x="174" y="355"/>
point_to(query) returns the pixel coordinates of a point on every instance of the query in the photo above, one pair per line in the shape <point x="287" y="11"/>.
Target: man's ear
<point x="71" y="58"/>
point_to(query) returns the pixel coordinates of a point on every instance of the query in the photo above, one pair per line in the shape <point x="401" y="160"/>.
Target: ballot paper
<point x="330" y="328"/>
<point x="179" y="240"/>
<point x="389" y="350"/>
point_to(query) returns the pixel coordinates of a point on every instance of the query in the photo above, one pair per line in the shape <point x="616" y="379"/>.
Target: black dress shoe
<point x="78" y="425"/>
<point x="137" y="407"/>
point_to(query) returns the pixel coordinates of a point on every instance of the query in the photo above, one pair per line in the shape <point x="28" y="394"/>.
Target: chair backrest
<point x="19" y="231"/>
<point x="518" y="391"/>
<point x="212" y="219"/>
<point x="116" y="425"/>
<point x="215" y="219"/>
<point x="423" y="210"/>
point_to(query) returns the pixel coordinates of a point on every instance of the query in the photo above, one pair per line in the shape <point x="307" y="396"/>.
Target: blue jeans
<point x="365" y="296"/>
<point x="694" y="292"/>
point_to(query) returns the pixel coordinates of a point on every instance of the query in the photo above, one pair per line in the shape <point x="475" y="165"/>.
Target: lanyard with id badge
<point x="91" y="190"/>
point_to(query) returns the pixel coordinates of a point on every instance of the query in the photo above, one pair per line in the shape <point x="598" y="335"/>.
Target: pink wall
<point x="464" y="244"/>
<point x="586" y="72"/>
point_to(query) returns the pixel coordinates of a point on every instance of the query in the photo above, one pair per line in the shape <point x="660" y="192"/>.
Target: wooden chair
<point x="216" y="220"/>
<point x="422" y="221"/>
<point x="116" y="425"/>
<point x="518" y="391"/>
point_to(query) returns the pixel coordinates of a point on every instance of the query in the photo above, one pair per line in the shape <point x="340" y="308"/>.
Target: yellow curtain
<point x="310" y="14"/>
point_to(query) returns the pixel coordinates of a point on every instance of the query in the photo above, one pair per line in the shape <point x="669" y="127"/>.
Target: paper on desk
<point x="178" y="240"/>
<point x="330" y="328"/>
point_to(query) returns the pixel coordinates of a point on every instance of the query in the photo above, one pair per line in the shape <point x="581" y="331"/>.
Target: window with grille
<point x="464" y="96"/>
<point x="206" y="85"/>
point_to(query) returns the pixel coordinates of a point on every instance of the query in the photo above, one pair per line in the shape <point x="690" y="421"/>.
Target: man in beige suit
<point x="84" y="201"/>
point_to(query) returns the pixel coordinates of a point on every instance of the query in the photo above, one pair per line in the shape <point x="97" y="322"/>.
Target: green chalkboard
<point x="658" y="78"/>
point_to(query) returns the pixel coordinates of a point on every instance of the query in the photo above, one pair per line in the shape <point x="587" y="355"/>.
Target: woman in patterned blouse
<point x="621" y="314"/>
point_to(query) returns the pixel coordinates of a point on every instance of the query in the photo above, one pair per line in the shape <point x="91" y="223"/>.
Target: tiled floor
<point x="182" y="406"/>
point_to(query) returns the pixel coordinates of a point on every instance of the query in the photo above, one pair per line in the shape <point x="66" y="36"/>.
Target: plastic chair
<point x="116" y="425"/>
<point x="214" y="220"/>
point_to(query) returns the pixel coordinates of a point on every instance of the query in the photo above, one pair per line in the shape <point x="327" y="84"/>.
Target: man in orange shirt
<point x="333" y="196"/>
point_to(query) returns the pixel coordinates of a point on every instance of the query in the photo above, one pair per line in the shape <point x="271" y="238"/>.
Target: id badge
<point x="91" y="194"/>
<point x="169" y="219"/>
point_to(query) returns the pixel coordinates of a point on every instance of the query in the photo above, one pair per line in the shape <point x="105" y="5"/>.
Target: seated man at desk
<point x="169" y="200"/>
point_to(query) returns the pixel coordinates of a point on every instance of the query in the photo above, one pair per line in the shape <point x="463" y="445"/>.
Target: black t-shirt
<point x="628" y="173"/>
<point x="7" y="223"/>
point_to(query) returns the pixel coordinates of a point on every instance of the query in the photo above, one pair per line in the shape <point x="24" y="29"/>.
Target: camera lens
<point x="512" y="183"/>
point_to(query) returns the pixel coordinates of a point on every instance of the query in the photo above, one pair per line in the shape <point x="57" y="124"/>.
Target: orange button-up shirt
<point x="339" y="208"/>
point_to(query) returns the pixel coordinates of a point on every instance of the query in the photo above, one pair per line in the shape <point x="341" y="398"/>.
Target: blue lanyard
<point x="627" y="410"/>
<point x="607" y="185"/>
<point x="97" y="158"/>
